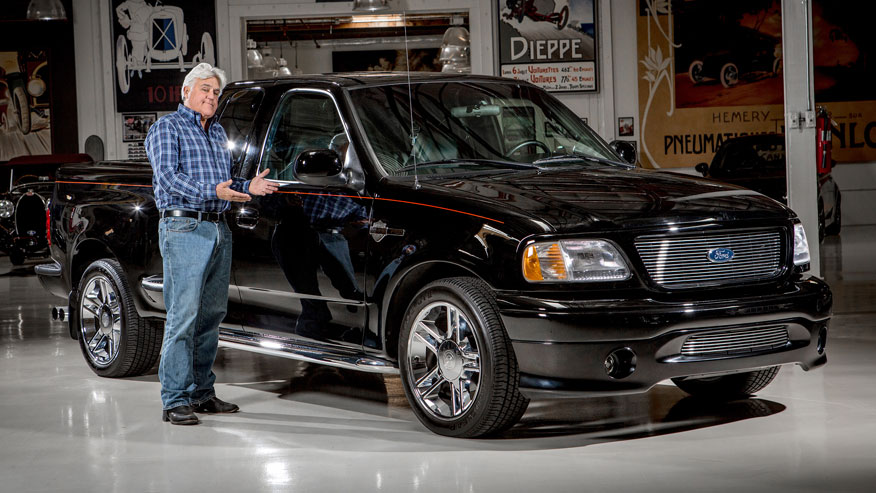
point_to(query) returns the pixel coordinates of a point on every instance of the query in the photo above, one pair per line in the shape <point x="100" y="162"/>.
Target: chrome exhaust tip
<point x="59" y="313"/>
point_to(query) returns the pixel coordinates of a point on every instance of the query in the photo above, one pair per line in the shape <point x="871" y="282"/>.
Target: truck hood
<point x="576" y="199"/>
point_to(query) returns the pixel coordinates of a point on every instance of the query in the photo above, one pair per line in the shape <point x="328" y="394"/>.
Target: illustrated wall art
<point x="710" y="71"/>
<point x="154" y="45"/>
<point x="25" y="109"/>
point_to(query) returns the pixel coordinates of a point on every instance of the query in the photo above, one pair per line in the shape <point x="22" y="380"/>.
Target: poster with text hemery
<point x="550" y="43"/>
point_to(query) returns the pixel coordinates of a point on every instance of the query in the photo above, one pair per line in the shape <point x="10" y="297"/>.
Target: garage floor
<point x="311" y="428"/>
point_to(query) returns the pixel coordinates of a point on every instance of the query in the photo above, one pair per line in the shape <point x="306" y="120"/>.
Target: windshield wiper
<point x="583" y="157"/>
<point x="477" y="162"/>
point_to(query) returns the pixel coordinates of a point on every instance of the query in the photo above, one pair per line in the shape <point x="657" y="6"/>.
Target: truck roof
<point x="361" y="79"/>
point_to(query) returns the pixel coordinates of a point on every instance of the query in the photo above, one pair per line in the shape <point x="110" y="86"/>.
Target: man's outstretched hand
<point x="260" y="186"/>
<point x="224" y="192"/>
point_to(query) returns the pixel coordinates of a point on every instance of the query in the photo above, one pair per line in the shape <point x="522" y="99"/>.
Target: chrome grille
<point x="735" y="341"/>
<point x="684" y="261"/>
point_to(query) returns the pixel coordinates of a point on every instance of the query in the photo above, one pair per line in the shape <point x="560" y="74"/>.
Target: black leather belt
<point x="213" y="217"/>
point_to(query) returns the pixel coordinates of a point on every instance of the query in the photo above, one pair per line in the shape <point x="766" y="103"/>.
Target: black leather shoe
<point x="216" y="405"/>
<point x="180" y="415"/>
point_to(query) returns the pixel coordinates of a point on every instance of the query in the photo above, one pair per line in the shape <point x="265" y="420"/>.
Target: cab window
<point x="304" y="121"/>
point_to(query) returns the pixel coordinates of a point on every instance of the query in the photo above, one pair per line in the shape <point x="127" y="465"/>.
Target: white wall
<point x="617" y="65"/>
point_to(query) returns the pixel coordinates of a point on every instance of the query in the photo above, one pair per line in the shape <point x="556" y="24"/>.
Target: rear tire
<point x="728" y="387"/>
<point x="695" y="71"/>
<point x="729" y="75"/>
<point x="114" y="339"/>
<point x="458" y="368"/>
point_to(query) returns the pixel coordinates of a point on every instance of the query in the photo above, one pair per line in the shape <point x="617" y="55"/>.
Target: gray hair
<point x="202" y="71"/>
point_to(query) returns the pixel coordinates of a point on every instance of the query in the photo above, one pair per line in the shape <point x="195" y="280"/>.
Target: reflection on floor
<point x="312" y="428"/>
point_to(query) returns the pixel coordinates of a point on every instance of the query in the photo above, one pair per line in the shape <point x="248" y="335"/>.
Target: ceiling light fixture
<point x="369" y="5"/>
<point x="46" y="10"/>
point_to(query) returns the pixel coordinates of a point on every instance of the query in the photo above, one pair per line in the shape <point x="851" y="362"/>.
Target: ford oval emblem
<point x="719" y="255"/>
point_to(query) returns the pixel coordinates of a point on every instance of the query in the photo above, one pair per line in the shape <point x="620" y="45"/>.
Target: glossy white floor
<point x="310" y="428"/>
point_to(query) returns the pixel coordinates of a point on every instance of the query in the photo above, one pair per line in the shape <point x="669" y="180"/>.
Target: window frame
<point x="276" y="114"/>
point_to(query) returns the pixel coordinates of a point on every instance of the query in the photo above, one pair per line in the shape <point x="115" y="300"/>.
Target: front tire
<point x="114" y="339"/>
<point x="728" y="387"/>
<point x="22" y="109"/>
<point x="458" y="368"/>
<point x="729" y="75"/>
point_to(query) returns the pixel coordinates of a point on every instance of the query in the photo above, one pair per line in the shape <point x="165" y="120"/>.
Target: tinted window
<point x="304" y="121"/>
<point x="459" y="126"/>
<point x="237" y="119"/>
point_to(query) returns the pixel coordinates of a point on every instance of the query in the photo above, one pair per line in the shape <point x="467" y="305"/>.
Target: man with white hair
<point x="193" y="188"/>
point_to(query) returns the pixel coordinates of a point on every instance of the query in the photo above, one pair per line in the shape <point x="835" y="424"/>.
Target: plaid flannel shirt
<point x="188" y="162"/>
<point x="331" y="211"/>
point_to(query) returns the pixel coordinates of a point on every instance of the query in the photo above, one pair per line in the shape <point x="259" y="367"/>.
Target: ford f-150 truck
<point x="469" y="233"/>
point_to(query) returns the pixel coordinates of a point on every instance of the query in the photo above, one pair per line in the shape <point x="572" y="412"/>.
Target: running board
<point x="287" y="349"/>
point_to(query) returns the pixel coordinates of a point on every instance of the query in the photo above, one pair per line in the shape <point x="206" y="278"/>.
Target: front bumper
<point x="562" y="346"/>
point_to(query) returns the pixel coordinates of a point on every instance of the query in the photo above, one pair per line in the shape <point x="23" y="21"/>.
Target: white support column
<point x="800" y="119"/>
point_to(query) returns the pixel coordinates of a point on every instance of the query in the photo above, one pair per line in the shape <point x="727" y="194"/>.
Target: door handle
<point x="246" y="218"/>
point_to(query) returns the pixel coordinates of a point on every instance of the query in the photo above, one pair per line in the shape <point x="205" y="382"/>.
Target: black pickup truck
<point x="467" y="232"/>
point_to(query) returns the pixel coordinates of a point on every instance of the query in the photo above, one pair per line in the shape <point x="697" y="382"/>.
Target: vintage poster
<point x="154" y="44"/>
<point x="550" y="43"/>
<point x="25" y="111"/>
<point x="710" y="71"/>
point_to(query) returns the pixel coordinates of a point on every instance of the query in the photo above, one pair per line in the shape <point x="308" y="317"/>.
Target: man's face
<point x="204" y="96"/>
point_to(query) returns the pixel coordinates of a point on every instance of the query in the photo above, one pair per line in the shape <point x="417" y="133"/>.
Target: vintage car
<point x="469" y="233"/>
<point x="758" y="162"/>
<point x="730" y="53"/>
<point x="30" y="181"/>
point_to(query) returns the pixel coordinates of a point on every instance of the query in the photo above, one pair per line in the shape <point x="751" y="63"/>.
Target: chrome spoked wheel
<point x="443" y="357"/>
<point x="100" y="321"/>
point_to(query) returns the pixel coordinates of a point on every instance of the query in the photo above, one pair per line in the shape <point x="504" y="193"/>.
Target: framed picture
<point x="154" y="45"/>
<point x="136" y="125"/>
<point x="550" y="44"/>
<point x="625" y="126"/>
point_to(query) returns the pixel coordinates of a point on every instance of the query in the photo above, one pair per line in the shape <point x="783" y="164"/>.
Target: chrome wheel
<point x="100" y="321"/>
<point x="443" y="357"/>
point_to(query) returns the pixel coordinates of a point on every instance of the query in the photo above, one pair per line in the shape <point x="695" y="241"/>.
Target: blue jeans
<point x="197" y="272"/>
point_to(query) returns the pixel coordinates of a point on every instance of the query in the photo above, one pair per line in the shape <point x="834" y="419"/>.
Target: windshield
<point x="464" y="126"/>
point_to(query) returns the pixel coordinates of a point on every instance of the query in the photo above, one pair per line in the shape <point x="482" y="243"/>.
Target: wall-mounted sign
<point x="550" y="43"/>
<point x="154" y="45"/>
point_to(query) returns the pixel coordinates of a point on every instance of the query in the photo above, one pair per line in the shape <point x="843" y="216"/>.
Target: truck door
<point x="299" y="254"/>
<point x="237" y="113"/>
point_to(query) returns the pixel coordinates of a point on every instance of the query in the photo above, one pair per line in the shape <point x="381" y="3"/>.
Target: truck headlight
<point x="6" y="208"/>
<point x="574" y="261"/>
<point x="801" y="246"/>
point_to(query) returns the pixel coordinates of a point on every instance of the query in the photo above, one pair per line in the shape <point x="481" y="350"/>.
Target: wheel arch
<point x="84" y="253"/>
<point x="403" y="289"/>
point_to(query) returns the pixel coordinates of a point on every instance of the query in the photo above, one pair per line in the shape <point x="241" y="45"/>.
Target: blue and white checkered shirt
<point x="188" y="162"/>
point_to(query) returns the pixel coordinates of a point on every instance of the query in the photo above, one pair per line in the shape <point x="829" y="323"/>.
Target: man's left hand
<point x="260" y="186"/>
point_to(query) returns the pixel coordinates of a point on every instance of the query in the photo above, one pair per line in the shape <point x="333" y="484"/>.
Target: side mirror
<point x="319" y="167"/>
<point x="702" y="169"/>
<point x="626" y="150"/>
